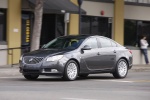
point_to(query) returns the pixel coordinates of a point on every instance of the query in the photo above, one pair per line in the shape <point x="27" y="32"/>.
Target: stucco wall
<point x="130" y="11"/>
<point x="138" y="57"/>
<point x="3" y="55"/>
<point x="94" y="8"/>
<point x="137" y="12"/>
<point x="3" y="4"/>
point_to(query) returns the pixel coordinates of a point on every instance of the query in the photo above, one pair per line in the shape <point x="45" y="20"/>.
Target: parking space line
<point x="142" y="81"/>
<point x="7" y="77"/>
<point x="76" y="99"/>
<point x="135" y="81"/>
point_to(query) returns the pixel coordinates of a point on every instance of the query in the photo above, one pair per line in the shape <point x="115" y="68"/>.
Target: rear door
<point x="107" y="53"/>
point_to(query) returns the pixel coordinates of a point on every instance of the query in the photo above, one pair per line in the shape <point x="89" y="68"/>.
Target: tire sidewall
<point x="66" y="77"/>
<point x="117" y="69"/>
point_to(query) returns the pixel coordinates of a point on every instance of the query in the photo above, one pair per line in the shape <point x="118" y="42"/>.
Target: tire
<point x="31" y="77"/>
<point x="71" y="71"/>
<point x="83" y="75"/>
<point x="121" y="70"/>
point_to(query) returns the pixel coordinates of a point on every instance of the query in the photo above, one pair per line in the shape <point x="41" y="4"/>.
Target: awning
<point x="58" y="6"/>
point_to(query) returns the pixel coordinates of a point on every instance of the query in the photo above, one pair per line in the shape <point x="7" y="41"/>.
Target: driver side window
<point x="92" y="42"/>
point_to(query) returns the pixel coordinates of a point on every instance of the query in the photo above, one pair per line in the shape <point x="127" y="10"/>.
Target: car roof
<point x="78" y="36"/>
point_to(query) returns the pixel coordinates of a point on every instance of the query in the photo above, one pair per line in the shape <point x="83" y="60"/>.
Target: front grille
<point x="32" y="60"/>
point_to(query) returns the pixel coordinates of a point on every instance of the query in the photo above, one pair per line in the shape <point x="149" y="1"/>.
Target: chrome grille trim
<point x="32" y="60"/>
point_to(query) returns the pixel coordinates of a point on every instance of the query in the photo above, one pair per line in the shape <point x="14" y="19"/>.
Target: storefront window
<point x="130" y="33"/>
<point x="144" y="29"/>
<point x="134" y="30"/>
<point x="60" y="25"/>
<point x="96" y="26"/>
<point x="2" y="25"/>
<point x="85" y="25"/>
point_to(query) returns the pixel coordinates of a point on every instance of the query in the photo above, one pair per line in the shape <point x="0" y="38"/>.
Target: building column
<point x="74" y="22"/>
<point x="14" y="30"/>
<point x="119" y="21"/>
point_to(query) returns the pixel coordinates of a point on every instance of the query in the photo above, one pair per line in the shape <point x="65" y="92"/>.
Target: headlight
<point x="54" y="58"/>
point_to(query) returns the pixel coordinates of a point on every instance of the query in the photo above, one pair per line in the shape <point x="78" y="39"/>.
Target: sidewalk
<point x="8" y="70"/>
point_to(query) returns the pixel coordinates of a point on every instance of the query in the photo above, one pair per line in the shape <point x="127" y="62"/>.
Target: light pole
<point x="80" y="3"/>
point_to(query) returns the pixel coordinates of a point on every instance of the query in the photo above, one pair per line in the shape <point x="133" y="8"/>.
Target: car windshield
<point x="64" y="43"/>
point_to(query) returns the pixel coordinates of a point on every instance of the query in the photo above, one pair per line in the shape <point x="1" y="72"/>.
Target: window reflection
<point x="85" y="25"/>
<point x="92" y="42"/>
<point x="134" y="30"/>
<point x="105" y="42"/>
<point x="130" y="33"/>
<point x="96" y="25"/>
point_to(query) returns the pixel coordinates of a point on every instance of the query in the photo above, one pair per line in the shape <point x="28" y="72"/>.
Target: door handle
<point x="98" y="53"/>
<point x="114" y="51"/>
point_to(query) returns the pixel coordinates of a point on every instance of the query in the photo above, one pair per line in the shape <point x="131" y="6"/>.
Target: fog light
<point x="54" y="70"/>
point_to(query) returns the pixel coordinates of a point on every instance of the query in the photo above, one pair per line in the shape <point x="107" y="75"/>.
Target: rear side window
<point x="105" y="42"/>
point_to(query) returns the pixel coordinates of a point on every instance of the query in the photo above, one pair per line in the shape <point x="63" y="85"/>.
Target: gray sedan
<point x="73" y="56"/>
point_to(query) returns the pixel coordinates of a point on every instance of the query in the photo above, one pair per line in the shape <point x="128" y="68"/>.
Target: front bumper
<point x="43" y="68"/>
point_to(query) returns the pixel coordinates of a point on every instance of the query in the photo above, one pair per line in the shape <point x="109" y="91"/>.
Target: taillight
<point x="130" y="51"/>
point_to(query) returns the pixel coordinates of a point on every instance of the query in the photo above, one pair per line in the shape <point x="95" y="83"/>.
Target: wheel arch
<point x="76" y="62"/>
<point x="125" y="60"/>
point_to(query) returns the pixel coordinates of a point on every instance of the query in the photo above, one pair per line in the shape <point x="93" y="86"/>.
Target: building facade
<point x="122" y="20"/>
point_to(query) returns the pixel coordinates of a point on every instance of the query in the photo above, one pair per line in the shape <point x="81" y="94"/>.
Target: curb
<point x="9" y="72"/>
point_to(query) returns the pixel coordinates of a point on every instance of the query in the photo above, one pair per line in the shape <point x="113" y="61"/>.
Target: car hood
<point x="46" y="52"/>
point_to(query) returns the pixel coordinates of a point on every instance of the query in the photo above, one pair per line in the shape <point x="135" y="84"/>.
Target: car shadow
<point x="95" y="77"/>
<point x="59" y="79"/>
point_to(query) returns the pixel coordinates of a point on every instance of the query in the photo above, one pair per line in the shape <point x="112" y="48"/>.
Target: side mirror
<point x="86" y="47"/>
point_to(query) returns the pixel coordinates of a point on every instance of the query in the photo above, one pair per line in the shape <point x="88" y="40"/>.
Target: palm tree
<point x="38" y="13"/>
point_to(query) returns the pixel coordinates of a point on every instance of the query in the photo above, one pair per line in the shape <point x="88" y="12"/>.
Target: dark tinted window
<point x="85" y="25"/>
<point x="64" y="43"/>
<point x="2" y="25"/>
<point x="96" y="25"/>
<point x="59" y="25"/>
<point x="133" y="31"/>
<point x="130" y="33"/>
<point x="105" y="42"/>
<point x="92" y="42"/>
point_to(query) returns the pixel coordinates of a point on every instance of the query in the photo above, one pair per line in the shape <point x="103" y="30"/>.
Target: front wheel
<point x="121" y="70"/>
<point x="71" y="71"/>
<point x="31" y="77"/>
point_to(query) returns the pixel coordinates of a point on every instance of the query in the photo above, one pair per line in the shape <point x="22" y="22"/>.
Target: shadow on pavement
<point x="59" y="79"/>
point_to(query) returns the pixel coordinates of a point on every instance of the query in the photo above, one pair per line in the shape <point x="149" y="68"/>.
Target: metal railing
<point x="10" y="51"/>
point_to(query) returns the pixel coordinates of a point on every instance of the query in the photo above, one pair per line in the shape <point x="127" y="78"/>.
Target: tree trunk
<point x="38" y="13"/>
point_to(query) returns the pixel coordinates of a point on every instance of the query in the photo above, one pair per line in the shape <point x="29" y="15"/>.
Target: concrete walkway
<point x="8" y="70"/>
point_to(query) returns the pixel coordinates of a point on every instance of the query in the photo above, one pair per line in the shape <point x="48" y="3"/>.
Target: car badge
<point x="31" y="60"/>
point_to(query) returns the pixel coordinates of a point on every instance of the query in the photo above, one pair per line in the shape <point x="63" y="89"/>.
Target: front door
<point x="90" y="56"/>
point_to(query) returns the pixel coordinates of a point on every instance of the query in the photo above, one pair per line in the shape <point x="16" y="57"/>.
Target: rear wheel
<point x="31" y="77"/>
<point x="71" y="71"/>
<point x="121" y="70"/>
